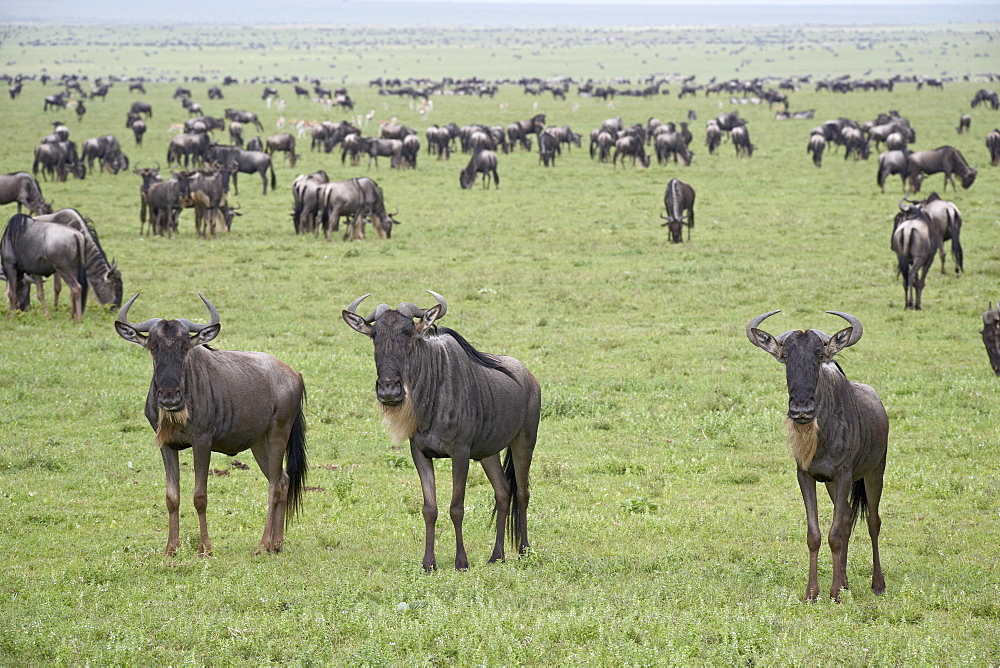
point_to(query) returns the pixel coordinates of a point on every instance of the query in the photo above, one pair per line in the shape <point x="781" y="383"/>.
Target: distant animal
<point x="355" y="199"/>
<point x="483" y="162"/>
<point x="915" y="241"/>
<point x="838" y="432"/>
<point x="453" y="401"/>
<point x="964" y="123"/>
<point x="243" y="162"/>
<point x="679" y="202"/>
<point x="284" y="143"/>
<point x="21" y="187"/>
<point x="141" y="108"/>
<point x="244" y="117"/>
<point x="31" y="250"/>
<point x="986" y="96"/>
<point x="944" y="219"/>
<point x="221" y="401"/>
<point x="817" y="144"/>
<point x="993" y="146"/>
<point x="631" y="147"/>
<point x="741" y="141"/>
<point x="991" y="336"/>
<point x="945" y="159"/>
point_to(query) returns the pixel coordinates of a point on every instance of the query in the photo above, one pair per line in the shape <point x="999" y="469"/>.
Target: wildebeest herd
<point x="436" y="390"/>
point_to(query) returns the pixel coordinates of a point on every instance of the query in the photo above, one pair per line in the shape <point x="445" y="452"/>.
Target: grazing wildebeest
<point x="991" y="335"/>
<point x="548" y="147"/>
<point x="103" y="277"/>
<point x="57" y="101"/>
<point x="671" y="145"/>
<point x="269" y="91"/>
<point x="136" y="86"/>
<point x="964" y="123"/>
<point x="678" y="200"/>
<point x="390" y="148"/>
<point x="838" y="432"/>
<point x="945" y="220"/>
<point x="255" y="144"/>
<point x="243" y="161"/>
<point x="993" y="146"/>
<point x="164" y="202"/>
<point x="411" y="148"/>
<point x="915" y="242"/>
<point x="221" y="401"/>
<point x="21" y="187"/>
<point x="99" y="148"/>
<point x="630" y="147"/>
<point x="855" y="143"/>
<point x="215" y="93"/>
<point x="190" y="147"/>
<point x="892" y="162"/>
<point x="983" y="95"/>
<point x="816" y="146"/>
<point x="451" y="400"/>
<point x="41" y="249"/>
<point x="236" y="133"/>
<point x="356" y="199"/>
<point x="483" y="162"/>
<point x="945" y="159"/>
<point x="305" y="195"/>
<point x="138" y="127"/>
<point x="244" y="117"/>
<point x="58" y="160"/>
<point x="713" y="136"/>
<point x="439" y="142"/>
<point x="283" y="142"/>
<point x="518" y="132"/>
<point x="142" y="108"/>
<point x="182" y="92"/>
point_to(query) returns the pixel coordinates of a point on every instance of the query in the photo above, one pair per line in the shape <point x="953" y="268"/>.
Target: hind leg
<point x="41" y="295"/>
<point x="501" y="494"/>
<point x="873" y="491"/>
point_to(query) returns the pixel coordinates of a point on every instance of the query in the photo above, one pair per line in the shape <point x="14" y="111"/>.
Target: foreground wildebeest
<point x="451" y="400"/>
<point x="945" y="159"/>
<point x="838" y="432"/>
<point x="221" y="401"/>
<point x="243" y="161"/>
<point x="991" y="335"/>
<point x="945" y="220"/>
<point x="21" y="187"/>
<point x="103" y="277"/>
<point x="31" y="250"/>
<point x="678" y="200"/>
<point x="483" y="162"/>
<point x="915" y="242"/>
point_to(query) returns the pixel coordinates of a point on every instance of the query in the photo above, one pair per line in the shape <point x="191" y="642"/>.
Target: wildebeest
<point x="439" y="142"/>
<point x="305" y="196"/>
<point x="356" y="199"/>
<point x="390" y="148"/>
<point x="137" y="126"/>
<point x="518" y="132"/>
<point x="964" y="123"/>
<point x="163" y="200"/>
<point x="993" y="146"/>
<point x="411" y="148"/>
<point x="991" y="336"/>
<point x="284" y="143"/>
<point x="915" y="242"/>
<point x="483" y="162"/>
<point x="945" y="159"/>
<point x="945" y="220"/>
<point x="741" y="141"/>
<point x="58" y="160"/>
<point x="189" y="147"/>
<point x="142" y="108"/>
<point x="103" y="277"/>
<point x="713" y="136"/>
<point x="57" y="101"/>
<point x="31" y="250"/>
<point x="855" y="143"/>
<point x="236" y="133"/>
<point x="22" y="188"/>
<point x="221" y="401"/>
<point x="255" y="144"/>
<point x="101" y="149"/>
<point x="838" y="432"/>
<point x="983" y="95"/>
<point x="548" y="147"/>
<point x="215" y="93"/>
<point x="816" y="146"/>
<point x="630" y="147"/>
<point x="206" y="193"/>
<point x="149" y="176"/>
<point x="451" y="400"/>
<point x="243" y="161"/>
<point x="244" y="117"/>
<point x="678" y="200"/>
<point x="892" y="162"/>
<point x="671" y="145"/>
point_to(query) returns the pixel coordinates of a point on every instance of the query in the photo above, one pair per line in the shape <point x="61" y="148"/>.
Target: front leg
<point x="813" y="537"/>
<point x="172" y="469"/>
<point x="840" y="531"/>
<point x="202" y="458"/>
<point x="459" y="479"/>
<point x="425" y="469"/>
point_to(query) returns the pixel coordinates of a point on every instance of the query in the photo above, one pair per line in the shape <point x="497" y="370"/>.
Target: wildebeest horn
<point x="374" y="315"/>
<point x="441" y="301"/>
<point x="855" y="323"/>
<point x="908" y="207"/>
<point x="756" y="321"/>
<point x="194" y="327"/>
<point x="123" y="317"/>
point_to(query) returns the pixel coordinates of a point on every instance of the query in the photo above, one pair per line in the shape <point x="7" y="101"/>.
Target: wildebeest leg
<point x="459" y="479"/>
<point x="202" y="458"/>
<point x="56" y="289"/>
<point x="425" y="469"/>
<point x="522" y="449"/>
<point x="37" y="280"/>
<point x="270" y="455"/>
<point x="501" y="495"/>
<point x="873" y="492"/>
<point x="813" y="537"/>
<point x="172" y="469"/>
<point x="840" y="531"/>
<point x="918" y="275"/>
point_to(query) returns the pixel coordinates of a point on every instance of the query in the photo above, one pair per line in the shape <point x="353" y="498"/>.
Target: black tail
<point x="274" y="182"/>
<point x="296" y="465"/>
<point x="513" y="518"/>
<point x="859" y="501"/>
<point x="81" y="276"/>
<point x="954" y="229"/>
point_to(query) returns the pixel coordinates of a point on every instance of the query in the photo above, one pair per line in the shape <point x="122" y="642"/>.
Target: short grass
<point x="666" y="523"/>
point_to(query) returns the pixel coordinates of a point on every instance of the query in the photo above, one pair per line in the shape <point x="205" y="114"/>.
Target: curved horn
<point x="905" y="208"/>
<point x="123" y="317"/>
<point x="854" y="322"/>
<point x="441" y="301"/>
<point x="410" y="310"/>
<point x="756" y="321"/>
<point x="194" y="327"/>
<point x="374" y="315"/>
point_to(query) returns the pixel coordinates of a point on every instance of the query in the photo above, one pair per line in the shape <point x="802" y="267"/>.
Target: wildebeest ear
<point x="206" y="334"/>
<point x="357" y="323"/>
<point x="428" y="318"/>
<point x="128" y="333"/>
<point x="837" y="343"/>
<point x="767" y="343"/>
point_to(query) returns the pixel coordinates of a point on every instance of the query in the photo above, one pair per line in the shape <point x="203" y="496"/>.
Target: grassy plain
<point x="666" y="522"/>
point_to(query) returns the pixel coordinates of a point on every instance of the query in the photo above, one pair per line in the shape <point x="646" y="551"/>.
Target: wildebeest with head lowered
<point x="838" y="432"/>
<point x="483" y="162"/>
<point x="945" y="159"/>
<point x="678" y="200"/>
<point x="451" y="400"/>
<point x="221" y="401"/>
<point x="915" y="241"/>
<point x="21" y="187"/>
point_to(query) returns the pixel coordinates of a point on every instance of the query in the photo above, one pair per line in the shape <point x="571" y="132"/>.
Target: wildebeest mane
<point x="482" y="359"/>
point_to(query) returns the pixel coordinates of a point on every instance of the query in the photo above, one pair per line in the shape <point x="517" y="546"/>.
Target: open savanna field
<point x="666" y="522"/>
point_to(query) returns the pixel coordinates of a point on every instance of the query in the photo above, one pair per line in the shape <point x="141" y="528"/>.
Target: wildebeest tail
<point x="954" y="229"/>
<point x="903" y="253"/>
<point x="859" y="501"/>
<point x="274" y="182"/>
<point x="513" y="518"/>
<point x="295" y="463"/>
<point x="81" y="274"/>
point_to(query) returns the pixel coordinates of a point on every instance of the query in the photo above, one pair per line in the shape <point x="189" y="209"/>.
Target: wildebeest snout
<point x="170" y="400"/>
<point x="390" y="391"/>
<point x="802" y="411"/>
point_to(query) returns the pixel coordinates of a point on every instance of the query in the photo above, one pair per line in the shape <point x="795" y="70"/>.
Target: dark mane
<point x="480" y="358"/>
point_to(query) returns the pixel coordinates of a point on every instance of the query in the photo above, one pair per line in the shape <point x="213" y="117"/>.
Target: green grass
<point x="666" y="522"/>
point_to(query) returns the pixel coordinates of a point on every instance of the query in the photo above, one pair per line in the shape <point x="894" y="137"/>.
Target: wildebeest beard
<point x="802" y="441"/>
<point x="168" y="422"/>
